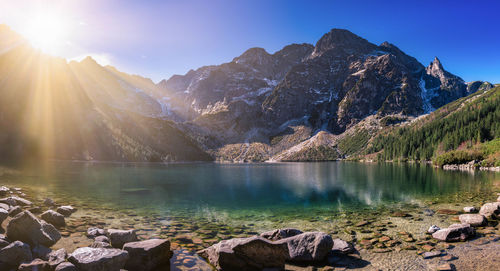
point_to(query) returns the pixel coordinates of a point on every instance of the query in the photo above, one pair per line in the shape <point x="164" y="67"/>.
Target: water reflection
<point x="226" y="187"/>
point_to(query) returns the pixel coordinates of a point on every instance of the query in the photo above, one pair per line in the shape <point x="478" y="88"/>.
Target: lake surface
<point x="235" y="190"/>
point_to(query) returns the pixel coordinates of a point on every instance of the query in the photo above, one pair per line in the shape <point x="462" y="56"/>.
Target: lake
<point x="248" y="198"/>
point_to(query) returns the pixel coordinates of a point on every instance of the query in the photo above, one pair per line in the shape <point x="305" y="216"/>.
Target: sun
<point x="47" y="32"/>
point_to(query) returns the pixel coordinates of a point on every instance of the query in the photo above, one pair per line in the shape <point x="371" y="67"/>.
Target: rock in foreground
<point x="15" y="254"/>
<point x="147" y="255"/>
<point x="253" y="253"/>
<point x="54" y="218"/>
<point x="98" y="259"/>
<point x="27" y="228"/>
<point x="308" y="246"/>
<point x="119" y="237"/>
<point x="279" y="234"/>
<point x="454" y="233"/>
<point x="490" y="210"/>
<point x="475" y="220"/>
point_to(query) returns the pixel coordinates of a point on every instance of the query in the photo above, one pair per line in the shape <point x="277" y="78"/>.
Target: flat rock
<point x="470" y="209"/>
<point x="16" y="253"/>
<point x="27" y="228"/>
<point x="16" y="201"/>
<point x="454" y="233"/>
<point x="98" y="259"/>
<point x="66" y="266"/>
<point x="119" y="237"/>
<point x="54" y="218"/>
<point x="490" y="210"/>
<point x="445" y="267"/>
<point x="474" y="220"/>
<point x="252" y="253"/>
<point x="279" y="234"/>
<point x="308" y="246"/>
<point x="147" y="255"/>
<point x="431" y="254"/>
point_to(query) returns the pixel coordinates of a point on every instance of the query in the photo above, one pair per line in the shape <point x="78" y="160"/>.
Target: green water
<point x="210" y="189"/>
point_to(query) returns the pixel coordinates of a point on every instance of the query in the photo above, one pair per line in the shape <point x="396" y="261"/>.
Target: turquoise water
<point x="294" y="187"/>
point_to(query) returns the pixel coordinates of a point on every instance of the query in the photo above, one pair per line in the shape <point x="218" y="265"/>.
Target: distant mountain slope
<point x="458" y="125"/>
<point x="51" y="109"/>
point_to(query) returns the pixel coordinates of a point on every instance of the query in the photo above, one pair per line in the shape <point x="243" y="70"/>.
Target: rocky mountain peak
<point x="435" y="68"/>
<point x="343" y="39"/>
<point x="253" y="56"/>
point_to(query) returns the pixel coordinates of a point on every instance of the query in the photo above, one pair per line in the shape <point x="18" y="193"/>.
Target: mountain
<point x="264" y="106"/>
<point x="52" y="109"/>
<point x="470" y="124"/>
<point x="304" y="102"/>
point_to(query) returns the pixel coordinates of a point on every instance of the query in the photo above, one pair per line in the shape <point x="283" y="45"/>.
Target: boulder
<point x="54" y="218"/>
<point x="27" y="228"/>
<point x="490" y="210"/>
<point x="56" y="257"/>
<point x="102" y="238"/>
<point x="455" y="232"/>
<point x="119" y="237"/>
<point x="475" y="220"/>
<point x="41" y="252"/>
<point x="343" y="247"/>
<point x="470" y="209"/>
<point x="433" y="229"/>
<point x="148" y="255"/>
<point x="98" y="244"/>
<point x="279" y="234"/>
<point x="35" y="265"/>
<point x="3" y="215"/>
<point x="16" y="253"/>
<point x="66" y="210"/>
<point x="16" y="201"/>
<point x="66" y="266"/>
<point x="5" y="206"/>
<point x="93" y="232"/>
<point x="15" y="210"/>
<point x="49" y="202"/>
<point x="252" y="253"/>
<point x="98" y="259"/>
<point x="308" y="246"/>
<point x="35" y="210"/>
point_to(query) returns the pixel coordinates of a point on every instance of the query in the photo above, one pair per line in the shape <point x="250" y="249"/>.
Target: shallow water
<point x="219" y="191"/>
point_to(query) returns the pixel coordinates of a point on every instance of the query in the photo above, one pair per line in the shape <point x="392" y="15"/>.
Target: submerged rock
<point x="490" y="210"/>
<point x="16" y="253"/>
<point x="252" y="253"/>
<point x="455" y="232"/>
<point x="279" y="234"/>
<point x="474" y="220"/>
<point x="27" y="228"/>
<point x="147" y="255"/>
<point x="49" y="202"/>
<point x="54" y="218"/>
<point x="98" y="259"/>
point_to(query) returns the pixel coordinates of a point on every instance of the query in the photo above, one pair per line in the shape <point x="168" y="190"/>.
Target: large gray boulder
<point x="490" y="210"/>
<point x="475" y="220"/>
<point x="454" y="233"/>
<point x="243" y="254"/>
<point x="54" y="218"/>
<point x="98" y="259"/>
<point x="119" y="237"/>
<point x="27" y="228"/>
<point x="308" y="246"/>
<point x="16" y="253"/>
<point x="148" y="255"/>
<point x="279" y="234"/>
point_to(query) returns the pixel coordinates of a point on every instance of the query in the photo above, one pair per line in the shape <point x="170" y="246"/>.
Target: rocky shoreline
<point x="45" y="235"/>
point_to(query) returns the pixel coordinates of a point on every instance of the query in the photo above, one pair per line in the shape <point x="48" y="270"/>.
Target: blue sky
<point x="160" y="38"/>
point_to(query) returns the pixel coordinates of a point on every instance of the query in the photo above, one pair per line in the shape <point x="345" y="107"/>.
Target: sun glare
<point x="47" y="32"/>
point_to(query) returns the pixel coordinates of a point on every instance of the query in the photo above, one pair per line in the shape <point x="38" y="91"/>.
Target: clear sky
<point x="160" y="38"/>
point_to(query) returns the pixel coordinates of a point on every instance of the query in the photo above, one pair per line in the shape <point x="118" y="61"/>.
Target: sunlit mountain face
<point x="53" y="109"/>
